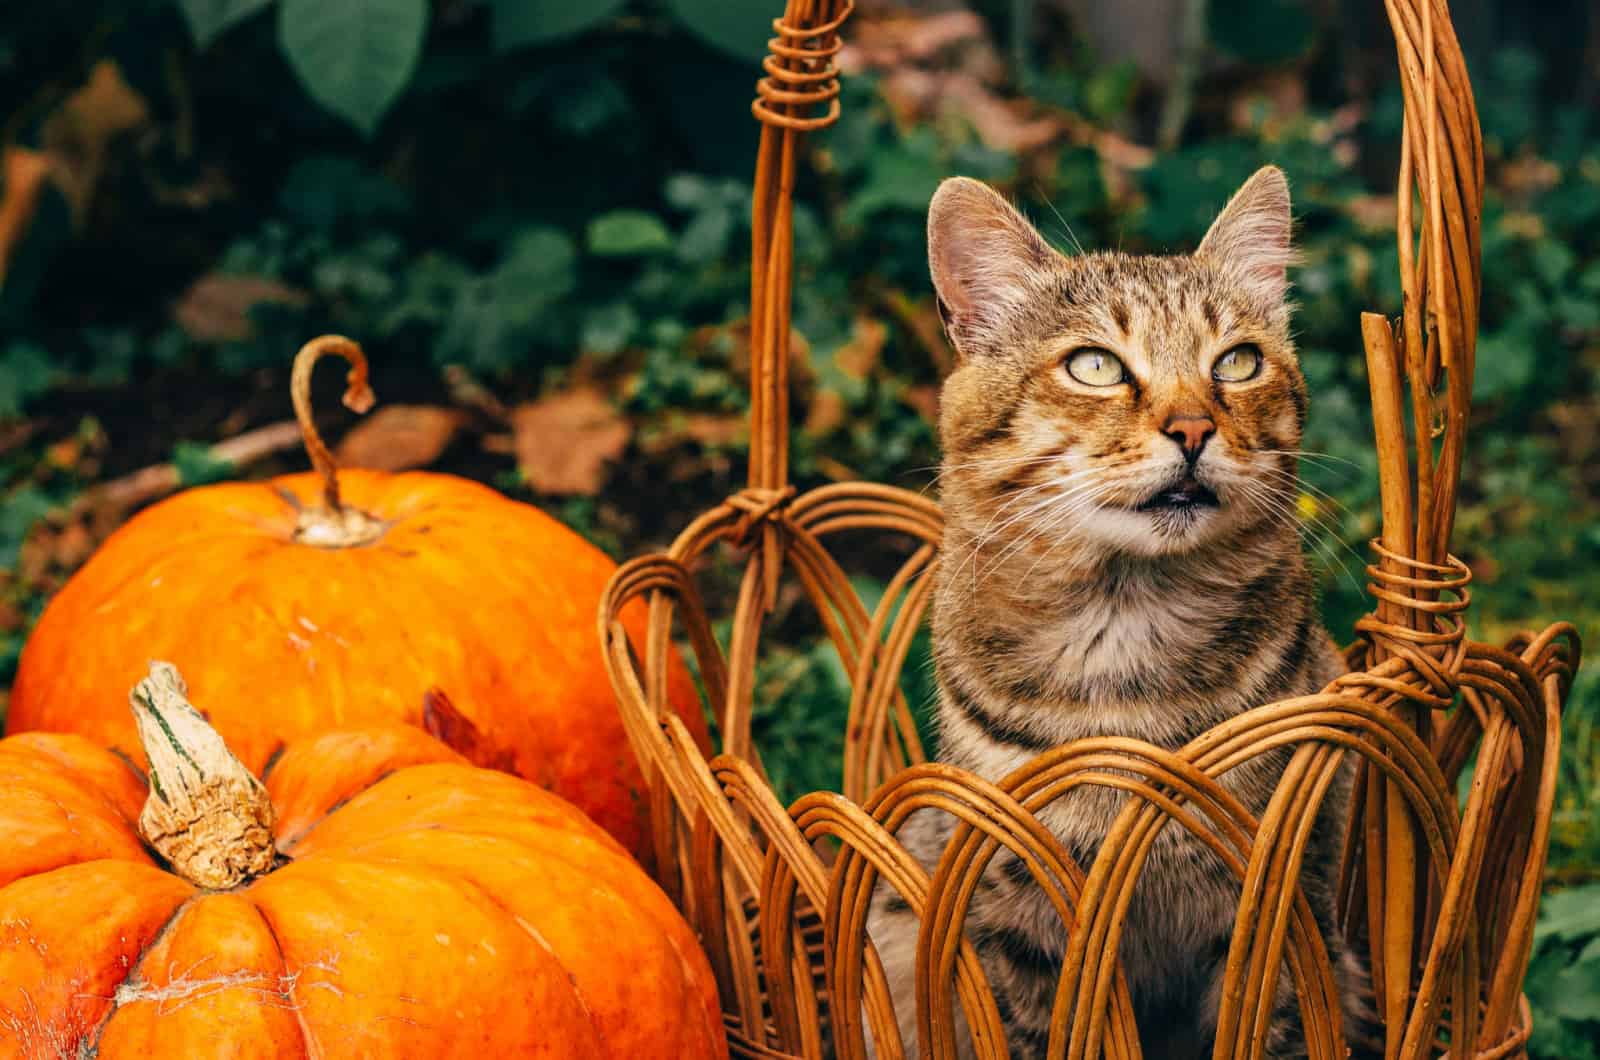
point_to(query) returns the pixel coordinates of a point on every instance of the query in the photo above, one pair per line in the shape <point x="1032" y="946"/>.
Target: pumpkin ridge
<point x="92" y="1048"/>
<point x="66" y="771"/>
<point x="286" y="844"/>
<point x="330" y="873"/>
<point x="533" y="933"/>
<point x="696" y="984"/>
<point x="597" y="840"/>
<point x="546" y="852"/>
<point x="308" y="1044"/>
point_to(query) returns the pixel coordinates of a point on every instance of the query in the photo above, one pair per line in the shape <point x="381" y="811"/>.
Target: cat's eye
<point x="1093" y="366"/>
<point x="1237" y="365"/>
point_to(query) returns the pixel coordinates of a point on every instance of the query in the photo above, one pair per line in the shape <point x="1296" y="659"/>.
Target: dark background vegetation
<point x="534" y="214"/>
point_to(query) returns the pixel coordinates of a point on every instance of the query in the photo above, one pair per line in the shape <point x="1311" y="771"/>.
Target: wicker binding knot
<point x="800" y="69"/>
<point x="1441" y="894"/>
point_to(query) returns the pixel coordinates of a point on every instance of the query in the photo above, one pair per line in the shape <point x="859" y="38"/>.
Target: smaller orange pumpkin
<point x="354" y="595"/>
<point x="377" y="896"/>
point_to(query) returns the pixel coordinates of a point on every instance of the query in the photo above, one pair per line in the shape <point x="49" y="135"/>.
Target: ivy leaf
<point x="705" y="239"/>
<point x="741" y="28"/>
<point x="198" y="466"/>
<point x="607" y="329"/>
<point x="18" y="513"/>
<point x="1569" y="914"/>
<point x="518" y="23"/>
<point x="25" y="373"/>
<point x="210" y="19"/>
<point x="354" y="57"/>
<point x="628" y="234"/>
<point x="1574" y="991"/>
<point x="494" y="316"/>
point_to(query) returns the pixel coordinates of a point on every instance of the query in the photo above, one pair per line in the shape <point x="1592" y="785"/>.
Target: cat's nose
<point x="1190" y="432"/>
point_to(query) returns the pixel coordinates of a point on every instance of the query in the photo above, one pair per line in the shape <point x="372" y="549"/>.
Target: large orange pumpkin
<point x="320" y="600"/>
<point x="403" y="903"/>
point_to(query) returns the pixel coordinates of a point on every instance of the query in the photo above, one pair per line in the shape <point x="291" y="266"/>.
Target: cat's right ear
<point x="982" y="254"/>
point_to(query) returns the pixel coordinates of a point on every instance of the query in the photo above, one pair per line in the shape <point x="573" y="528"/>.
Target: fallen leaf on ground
<point x="859" y="355"/>
<point x="399" y="437"/>
<point x="1375" y="213"/>
<point x="925" y="399"/>
<point x="78" y="136"/>
<point x="921" y="318"/>
<point x="827" y="414"/>
<point x="216" y="307"/>
<point x="24" y="172"/>
<point x="885" y="43"/>
<point x="565" y="441"/>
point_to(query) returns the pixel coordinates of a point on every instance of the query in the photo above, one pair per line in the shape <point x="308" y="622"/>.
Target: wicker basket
<point x="1444" y="896"/>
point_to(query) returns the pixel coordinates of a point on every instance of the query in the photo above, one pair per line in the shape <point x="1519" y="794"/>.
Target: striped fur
<point x="1064" y="610"/>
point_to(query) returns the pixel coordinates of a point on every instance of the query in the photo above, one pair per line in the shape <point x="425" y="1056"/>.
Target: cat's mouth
<point x="1187" y="494"/>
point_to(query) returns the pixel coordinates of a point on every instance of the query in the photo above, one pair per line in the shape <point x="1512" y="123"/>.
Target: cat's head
<point x="1140" y="405"/>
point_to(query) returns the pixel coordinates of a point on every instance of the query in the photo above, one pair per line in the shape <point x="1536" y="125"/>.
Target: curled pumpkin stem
<point x="358" y="397"/>
<point x="206" y="814"/>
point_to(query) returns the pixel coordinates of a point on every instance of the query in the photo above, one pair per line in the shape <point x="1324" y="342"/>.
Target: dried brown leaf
<point x="565" y="441"/>
<point x="826" y="414"/>
<point x="859" y="356"/>
<point x="398" y="437"/>
<point x="79" y="135"/>
<point x="216" y="307"/>
<point x="25" y="171"/>
<point x="925" y="399"/>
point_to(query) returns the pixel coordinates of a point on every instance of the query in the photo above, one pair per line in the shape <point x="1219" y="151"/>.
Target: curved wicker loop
<point x="800" y="69"/>
<point x="870" y="852"/>
<point x="986" y="810"/>
<point x="1442" y="896"/>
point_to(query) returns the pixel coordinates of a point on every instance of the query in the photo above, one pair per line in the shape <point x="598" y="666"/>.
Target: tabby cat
<point x="1121" y="558"/>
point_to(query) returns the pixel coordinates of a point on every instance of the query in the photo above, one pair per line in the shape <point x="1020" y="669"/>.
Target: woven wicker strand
<point x="1443" y="895"/>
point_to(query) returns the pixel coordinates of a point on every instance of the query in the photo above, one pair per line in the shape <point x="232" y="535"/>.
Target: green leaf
<point x="607" y="329"/>
<point x="898" y="178"/>
<point x="518" y="23"/>
<point x="210" y="19"/>
<point x="1575" y="993"/>
<point x="495" y="317"/>
<point x="741" y="28"/>
<point x="354" y="57"/>
<point x="1569" y="914"/>
<point x="705" y="239"/>
<point x="18" y="513"/>
<point x="197" y="467"/>
<point x="323" y="190"/>
<point x="628" y="234"/>
<point x="540" y="265"/>
<point x="25" y="373"/>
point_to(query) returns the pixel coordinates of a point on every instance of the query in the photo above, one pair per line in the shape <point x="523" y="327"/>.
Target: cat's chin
<point x="1160" y="529"/>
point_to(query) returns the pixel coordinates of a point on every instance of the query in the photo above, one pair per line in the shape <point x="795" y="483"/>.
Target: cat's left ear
<point x="1251" y="236"/>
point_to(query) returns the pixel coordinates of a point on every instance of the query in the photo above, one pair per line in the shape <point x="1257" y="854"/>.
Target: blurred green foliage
<point x="537" y="191"/>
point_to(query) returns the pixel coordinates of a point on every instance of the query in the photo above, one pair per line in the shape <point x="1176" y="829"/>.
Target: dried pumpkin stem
<point x="358" y="397"/>
<point x="206" y="814"/>
<point x="334" y="526"/>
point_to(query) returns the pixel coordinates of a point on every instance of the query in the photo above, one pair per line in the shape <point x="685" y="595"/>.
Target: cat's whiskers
<point x="989" y="531"/>
<point x="1083" y="497"/>
<point x="1273" y="506"/>
<point x="998" y="463"/>
<point x="1320" y="494"/>
<point x="1088" y="504"/>
<point x="1312" y="455"/>
<point x="1320" y="520"/>
<point x="984" y="537"/>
